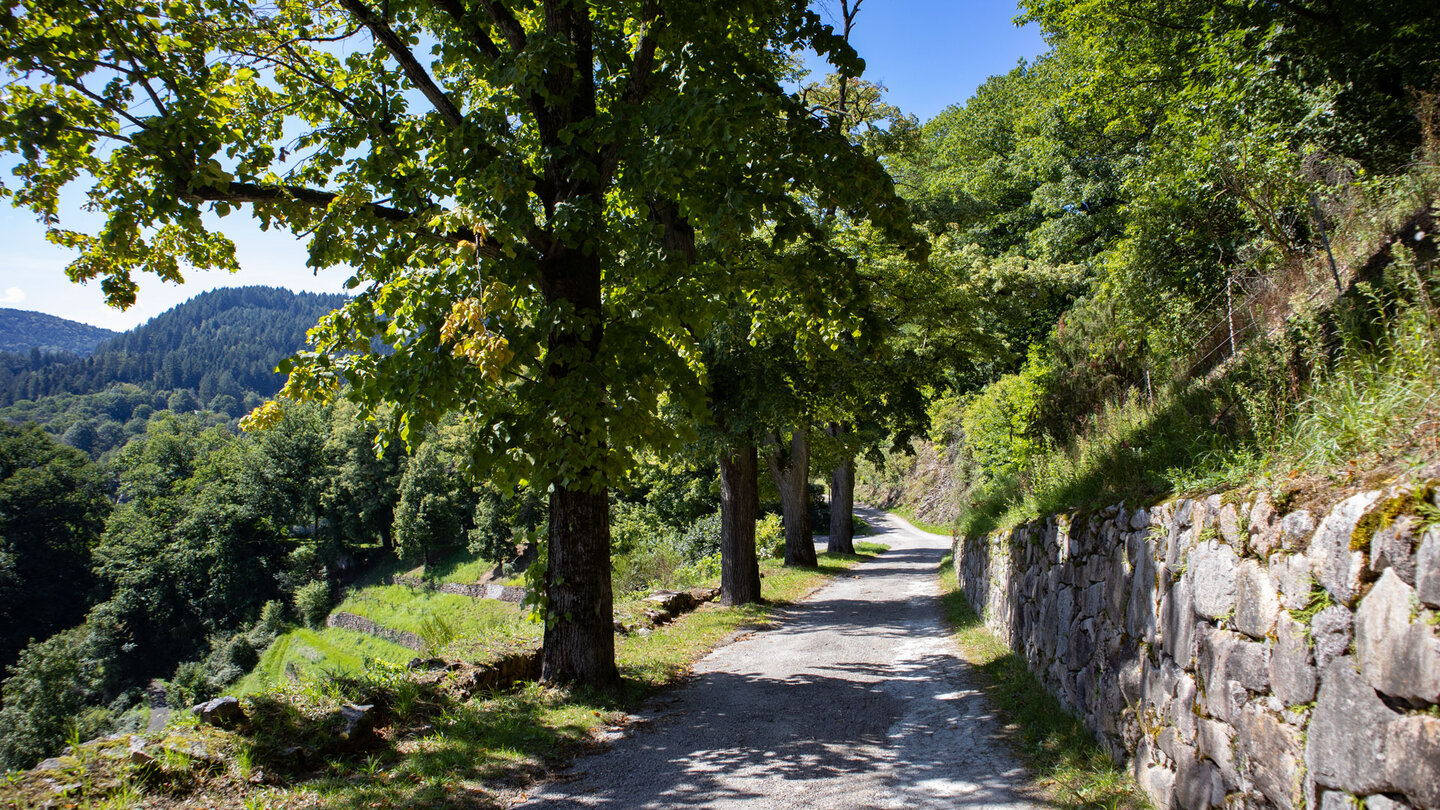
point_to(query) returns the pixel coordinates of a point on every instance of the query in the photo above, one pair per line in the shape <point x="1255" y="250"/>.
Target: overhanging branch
<point x="241" y="193"/>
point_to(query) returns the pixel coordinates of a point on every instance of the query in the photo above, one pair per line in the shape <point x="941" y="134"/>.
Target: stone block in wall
<point x="1390" y="549"/>
<point x="1249" y="665"/>
<point x="1338" y="567"/>
<point x="1198" y="785"/>
<point x="1296" y="529"/>
<point x="1216" y="741"/>
<point x="1338" y="800"/>
<point x="1412" y="752"/>
<point x="1177" y="616"/>
<point x="1214" y="648"/>
<point x="1181" y="711"/>
<point x="1154" y="778"/>
<point x="1330" y="633"/>
<point x="1139" y="519"/>
<point x="1264" y="529"/>
<point x="1398" y="655"/>
<point x="1212" y="570"/>
<point x="1346" y="741"/>
<point x="1382" y="802"/>
<point x="1117" y="583"/>
<point x="1141" y="609"/>
<point x="1272" y="752"/>
<point x="1292" y="665"/>
<point x="1292" y="575"/>
<point x="1427" y="568"/>
<point x="1228" y="521"/>
<point x="1257" y="600"/>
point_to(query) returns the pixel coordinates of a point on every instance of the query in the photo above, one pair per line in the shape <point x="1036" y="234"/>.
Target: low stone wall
<point x="514" y="594"/>
<point x="351" y="621"/>
<point x="1234" y="655"/>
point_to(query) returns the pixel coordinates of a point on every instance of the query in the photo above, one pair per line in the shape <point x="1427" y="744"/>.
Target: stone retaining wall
<point x="351" y="621"/>
<point x="1234" y="655"/>
<point x="514" y="594"/>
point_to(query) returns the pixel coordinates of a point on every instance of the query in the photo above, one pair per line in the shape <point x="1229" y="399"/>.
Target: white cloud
<point x="13" y="295"/>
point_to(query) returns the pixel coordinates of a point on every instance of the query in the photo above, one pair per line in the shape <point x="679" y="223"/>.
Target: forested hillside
<point x="215" y="353"/>
<point x="22" y="330"/>
<point x="226" y="341"/>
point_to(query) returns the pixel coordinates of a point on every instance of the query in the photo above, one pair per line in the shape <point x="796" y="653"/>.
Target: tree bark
<point x="579" y="644"/>
<point x="842" y="504"/>
<point x="791" y="470"/>
<point x="739" y="507"/>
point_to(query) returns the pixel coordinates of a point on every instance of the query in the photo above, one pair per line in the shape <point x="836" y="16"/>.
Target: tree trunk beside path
<point x="857" y="700"/>
<point x="842" y="509"/>
<point x="790" y="466"/>
<point x="739" y="506"/>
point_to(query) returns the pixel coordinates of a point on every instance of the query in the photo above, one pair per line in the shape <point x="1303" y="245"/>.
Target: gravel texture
<point x="858" y="699"/>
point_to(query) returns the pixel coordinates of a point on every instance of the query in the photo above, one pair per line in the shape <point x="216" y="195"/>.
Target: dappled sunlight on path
<point x="857" y="699"/>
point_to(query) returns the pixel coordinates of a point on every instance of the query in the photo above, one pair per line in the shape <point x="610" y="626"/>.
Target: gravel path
<point x="857" y="700"/>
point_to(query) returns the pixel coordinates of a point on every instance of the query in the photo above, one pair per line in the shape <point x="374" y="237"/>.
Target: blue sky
<point x="928" y="53"/>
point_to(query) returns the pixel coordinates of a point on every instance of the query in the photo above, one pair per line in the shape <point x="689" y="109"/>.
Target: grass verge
<point x="908" y="512"/>
<point x="1072" y="769"/>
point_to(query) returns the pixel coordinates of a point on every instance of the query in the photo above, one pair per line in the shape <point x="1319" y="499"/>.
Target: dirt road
<point x="857" y="700"/>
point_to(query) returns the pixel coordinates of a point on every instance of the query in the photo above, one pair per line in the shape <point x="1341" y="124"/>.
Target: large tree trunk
<point x="579" y="645"/>
<point x="842" y="504"/>
<point x="579" y="631"/>
<point x="791" y="470"/>
<point x="739" y="506"/>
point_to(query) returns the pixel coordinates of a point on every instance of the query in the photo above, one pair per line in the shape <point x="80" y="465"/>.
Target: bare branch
<point x="408" y="63"/>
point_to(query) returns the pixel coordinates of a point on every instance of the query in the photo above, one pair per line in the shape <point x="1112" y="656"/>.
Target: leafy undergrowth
<point x="437" y="744"/>
<point x="1072" y="769"/>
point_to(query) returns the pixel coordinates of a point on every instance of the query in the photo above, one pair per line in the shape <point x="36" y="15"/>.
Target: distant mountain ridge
<point x="23" y="329"/>
<point x="221" y="341"/>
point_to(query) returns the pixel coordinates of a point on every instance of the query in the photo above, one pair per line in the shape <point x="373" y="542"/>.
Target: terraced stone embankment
<point x="1237" y="653"/>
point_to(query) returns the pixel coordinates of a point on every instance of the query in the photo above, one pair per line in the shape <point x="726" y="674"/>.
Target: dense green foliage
<point x="53" y="506"/>
<point x="1170" y="185"/>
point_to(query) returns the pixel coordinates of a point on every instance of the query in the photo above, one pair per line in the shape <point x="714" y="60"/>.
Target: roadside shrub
<point x="770" y="537"/>
<point x="312" y="602"/>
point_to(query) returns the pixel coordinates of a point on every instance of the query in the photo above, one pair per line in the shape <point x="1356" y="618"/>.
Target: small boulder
<point x="137" y="755"/>
<point x="356" y="727"/>
<point x="222" y="712"/>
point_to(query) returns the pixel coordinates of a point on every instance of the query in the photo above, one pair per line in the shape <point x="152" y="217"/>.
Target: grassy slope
<point x="312" y="653"/>
<point x="514" y="737"/>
